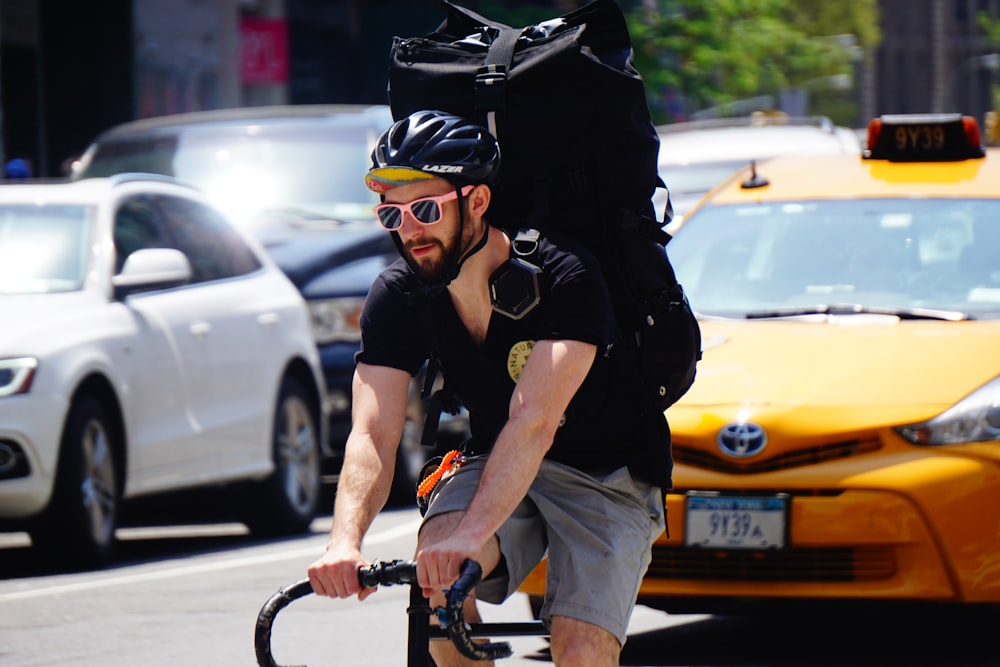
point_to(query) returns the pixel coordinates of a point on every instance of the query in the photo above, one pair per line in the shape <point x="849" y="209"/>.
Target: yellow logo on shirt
<point x="518" y="357"/>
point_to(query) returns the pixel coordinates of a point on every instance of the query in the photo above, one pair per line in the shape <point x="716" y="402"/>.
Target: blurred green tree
<point x="712" y="54"/>
<point x="991" y="29"/>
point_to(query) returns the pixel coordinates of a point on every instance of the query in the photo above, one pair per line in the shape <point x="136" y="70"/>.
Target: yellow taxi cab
<point x="841" y="442"/>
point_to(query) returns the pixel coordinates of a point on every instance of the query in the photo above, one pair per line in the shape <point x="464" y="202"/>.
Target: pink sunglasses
<point x="426" y="210"/>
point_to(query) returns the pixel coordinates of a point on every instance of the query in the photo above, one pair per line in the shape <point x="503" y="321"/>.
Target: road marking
<point x="396" y="532"/>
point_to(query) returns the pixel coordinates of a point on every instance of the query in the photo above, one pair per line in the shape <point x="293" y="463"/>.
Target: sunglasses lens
<point x="390" y="216"/>
<point x="426" y="211"/>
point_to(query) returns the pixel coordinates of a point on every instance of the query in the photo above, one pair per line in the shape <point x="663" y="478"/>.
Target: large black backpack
<point x="578" y="153"/>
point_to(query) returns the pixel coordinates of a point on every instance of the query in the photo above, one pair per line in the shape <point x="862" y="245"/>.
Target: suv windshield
<point x="309" y="170"/>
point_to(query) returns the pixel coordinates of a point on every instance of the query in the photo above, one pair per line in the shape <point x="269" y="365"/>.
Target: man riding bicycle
<point x="565" y="460"/>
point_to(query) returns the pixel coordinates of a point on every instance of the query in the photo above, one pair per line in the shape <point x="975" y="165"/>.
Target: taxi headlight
<point x="16" y="375"/>
<point x="336" y="320"/>
<point x="976" y="418"/>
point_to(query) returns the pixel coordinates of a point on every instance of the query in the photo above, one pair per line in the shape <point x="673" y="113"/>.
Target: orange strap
<point x="452" y="459"/>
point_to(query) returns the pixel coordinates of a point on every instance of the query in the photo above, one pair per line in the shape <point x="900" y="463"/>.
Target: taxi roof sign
<point x="923" y="138"/>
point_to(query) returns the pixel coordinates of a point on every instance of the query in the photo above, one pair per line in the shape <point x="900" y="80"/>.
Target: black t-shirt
<point x="606" y="425"/>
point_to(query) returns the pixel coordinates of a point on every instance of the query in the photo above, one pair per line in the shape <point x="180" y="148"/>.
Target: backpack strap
<point x="431" y="401"/>
<point x="644" y="226"/>
<point x="491" y="78"/>
<point x="442" y="400"/>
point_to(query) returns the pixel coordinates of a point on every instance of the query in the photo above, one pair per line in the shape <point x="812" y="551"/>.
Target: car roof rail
<point x="758" y="120"/>
<point x="228" y="116"/>
<point x="131" y="177"/>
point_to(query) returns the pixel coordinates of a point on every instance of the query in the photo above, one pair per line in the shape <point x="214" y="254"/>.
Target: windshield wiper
<point x="860" y="309"/>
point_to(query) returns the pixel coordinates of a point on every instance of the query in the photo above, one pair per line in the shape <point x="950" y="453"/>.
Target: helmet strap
<point x="479" y="245"/>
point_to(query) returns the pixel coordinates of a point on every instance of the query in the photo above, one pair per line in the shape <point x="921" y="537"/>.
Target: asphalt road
<point x="190" y="596"/>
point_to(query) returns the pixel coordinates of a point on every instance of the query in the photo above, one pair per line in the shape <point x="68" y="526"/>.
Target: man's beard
<point x="435" y="266"/>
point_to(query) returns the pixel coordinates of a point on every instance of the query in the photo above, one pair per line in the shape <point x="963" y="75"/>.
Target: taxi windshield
<point x="861" y="255"/>
<point x="44" y="248"/>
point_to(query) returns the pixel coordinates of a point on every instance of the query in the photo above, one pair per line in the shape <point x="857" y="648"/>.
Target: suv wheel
<point x="288" y="500"/>
<point x="78" y="529"/>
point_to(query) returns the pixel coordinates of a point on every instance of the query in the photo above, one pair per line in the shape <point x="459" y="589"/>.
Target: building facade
<point x="70" y="70"/>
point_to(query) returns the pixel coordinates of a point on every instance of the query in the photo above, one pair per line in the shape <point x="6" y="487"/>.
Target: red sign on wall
<point x="263" y="50"/>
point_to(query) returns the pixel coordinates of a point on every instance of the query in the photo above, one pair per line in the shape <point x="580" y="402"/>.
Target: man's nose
<point x="408" y="224"/>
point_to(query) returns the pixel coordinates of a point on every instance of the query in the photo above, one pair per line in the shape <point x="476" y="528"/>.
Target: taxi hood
<point x="861" y="371"/>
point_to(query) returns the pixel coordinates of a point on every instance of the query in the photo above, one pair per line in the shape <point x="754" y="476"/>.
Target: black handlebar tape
<point x="458" y="631"/>
<point x="265" y="619"/>
<point x="388" y="573"/>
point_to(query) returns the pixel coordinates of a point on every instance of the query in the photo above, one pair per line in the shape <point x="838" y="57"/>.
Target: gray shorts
<point x="598" y="531"/>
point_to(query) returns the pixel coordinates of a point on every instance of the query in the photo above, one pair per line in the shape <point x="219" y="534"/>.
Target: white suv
<point x="147" y="346"/>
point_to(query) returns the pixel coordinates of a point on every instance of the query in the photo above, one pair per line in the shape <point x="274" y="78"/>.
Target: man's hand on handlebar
<point x="439" y="565"/>
<point x="335" y="574"/>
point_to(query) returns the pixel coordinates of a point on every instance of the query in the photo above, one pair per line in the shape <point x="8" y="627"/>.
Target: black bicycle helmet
<point x="429" y="144"/>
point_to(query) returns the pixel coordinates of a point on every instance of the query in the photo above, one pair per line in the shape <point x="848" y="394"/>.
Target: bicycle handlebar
<point x="390" y="573"/>
<point x="454" y="620"/>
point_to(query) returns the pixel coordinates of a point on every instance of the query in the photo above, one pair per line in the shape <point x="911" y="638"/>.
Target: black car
<point x="293" y="175"/>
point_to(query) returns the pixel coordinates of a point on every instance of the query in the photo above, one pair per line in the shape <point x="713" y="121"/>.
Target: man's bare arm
<point x="550" y="379"/>
<point x="379" y="410"/>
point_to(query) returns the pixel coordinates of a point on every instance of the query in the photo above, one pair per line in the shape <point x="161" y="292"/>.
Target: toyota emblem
<point x="742" y="439"/>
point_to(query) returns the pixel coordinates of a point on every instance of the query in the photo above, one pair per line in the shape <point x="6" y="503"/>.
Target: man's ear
<point x="479" y="200"/>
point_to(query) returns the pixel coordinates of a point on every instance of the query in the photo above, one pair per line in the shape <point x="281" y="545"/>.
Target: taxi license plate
<point x="736" y="522"/>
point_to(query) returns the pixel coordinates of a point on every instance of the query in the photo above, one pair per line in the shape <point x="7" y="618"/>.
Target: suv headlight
<point x="16" y="375"/>
<point x="336" y="319"/>
<point x="976" y="418"/>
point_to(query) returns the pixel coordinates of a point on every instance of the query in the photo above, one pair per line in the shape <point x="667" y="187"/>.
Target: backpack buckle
<point x="643" y="226"/>
<point x="490" y="86"/>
